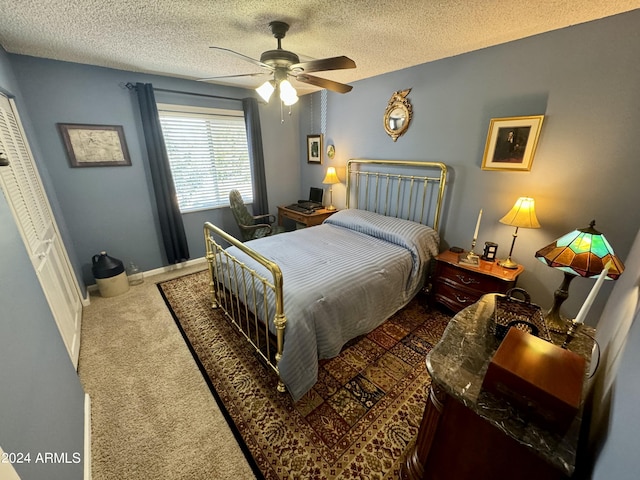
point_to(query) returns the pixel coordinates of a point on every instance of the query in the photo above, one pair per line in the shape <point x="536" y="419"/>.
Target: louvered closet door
<point x="23" y="189"/>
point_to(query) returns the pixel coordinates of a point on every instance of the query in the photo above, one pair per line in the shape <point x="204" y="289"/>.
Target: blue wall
<point x="619" y="456"/>
<point x="41" y="399"/>
<point x="584" y="79"/>
<point x="112" y="208"/>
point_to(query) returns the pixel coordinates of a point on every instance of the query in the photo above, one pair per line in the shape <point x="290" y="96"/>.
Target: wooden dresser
<point x="458" y="285"/>
<point x="467" y="432"/>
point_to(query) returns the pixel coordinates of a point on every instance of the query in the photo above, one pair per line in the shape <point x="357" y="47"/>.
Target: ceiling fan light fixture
<point x="288" y="94"/>
<point x="283" y="63"/>
<point x="266" y="90"/>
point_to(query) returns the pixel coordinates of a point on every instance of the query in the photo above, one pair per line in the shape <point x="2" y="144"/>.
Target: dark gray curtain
<point x="256" y="155"/>
<point x="171" y="226"/>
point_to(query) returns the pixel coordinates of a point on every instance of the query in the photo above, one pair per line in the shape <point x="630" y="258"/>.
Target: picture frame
<point x="511" y="143"/>
<point x="314" y="149"/>
<point x="95" y="145"/>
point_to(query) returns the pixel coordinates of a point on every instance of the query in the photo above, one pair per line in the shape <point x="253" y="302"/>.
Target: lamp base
<point x="556" y="323"/>
<point x="508" y="263"/>
<point x="331" y="208"/>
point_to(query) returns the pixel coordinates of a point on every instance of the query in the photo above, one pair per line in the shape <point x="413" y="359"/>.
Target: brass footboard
<point x="241" y="292"/>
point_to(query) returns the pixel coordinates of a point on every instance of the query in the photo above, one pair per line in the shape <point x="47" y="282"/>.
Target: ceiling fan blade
<point x="232" y="76"/>
<point x="333" y="63"/>
<point x="244" y="57"/>
<point x="324" y="83"/>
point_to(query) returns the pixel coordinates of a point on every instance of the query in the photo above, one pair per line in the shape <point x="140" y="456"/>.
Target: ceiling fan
<point x="284" y="64"/>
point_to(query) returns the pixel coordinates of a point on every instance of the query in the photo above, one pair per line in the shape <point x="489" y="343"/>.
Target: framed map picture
<point x="95" y="145"/>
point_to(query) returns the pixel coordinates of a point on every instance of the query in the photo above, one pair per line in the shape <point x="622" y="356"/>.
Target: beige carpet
<point x="153" y="415"/>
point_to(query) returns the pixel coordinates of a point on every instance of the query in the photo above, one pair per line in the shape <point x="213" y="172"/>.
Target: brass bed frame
<point x="418" y="197"/>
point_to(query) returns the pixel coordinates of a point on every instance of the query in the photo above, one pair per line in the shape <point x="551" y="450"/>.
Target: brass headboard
<point x="405" y="189"/>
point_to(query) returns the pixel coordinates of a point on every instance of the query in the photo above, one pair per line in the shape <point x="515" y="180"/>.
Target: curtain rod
<point x="131" y="86"/>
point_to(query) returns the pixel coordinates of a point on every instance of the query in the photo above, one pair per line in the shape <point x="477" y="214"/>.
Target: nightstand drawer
<point x="457" y="285"/>
<point x="454" y="298"/>
<point x="471" y="281"/>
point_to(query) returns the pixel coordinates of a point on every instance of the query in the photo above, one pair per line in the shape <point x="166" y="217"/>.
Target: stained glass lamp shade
<point x="583" y="252"/>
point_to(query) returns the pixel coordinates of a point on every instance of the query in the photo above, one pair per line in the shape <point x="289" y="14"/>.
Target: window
<point x="208" y="154"/>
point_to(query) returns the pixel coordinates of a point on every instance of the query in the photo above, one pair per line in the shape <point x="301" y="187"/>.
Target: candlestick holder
<point x="473" y="246"/>
<point x="470" y="258"/>
<point x="573" y="329"/>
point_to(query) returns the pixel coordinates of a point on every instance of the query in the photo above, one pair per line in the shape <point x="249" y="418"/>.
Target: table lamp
<point x="583" y="252"/>
<point x="522" y="215"/>
<point x="331" y="178"/>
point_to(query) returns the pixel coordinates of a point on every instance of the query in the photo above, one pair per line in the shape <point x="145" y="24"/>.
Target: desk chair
<point x="249" y="228"/>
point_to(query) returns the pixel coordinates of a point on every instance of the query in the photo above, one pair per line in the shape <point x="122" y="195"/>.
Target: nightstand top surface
<point x="485" y="267"/>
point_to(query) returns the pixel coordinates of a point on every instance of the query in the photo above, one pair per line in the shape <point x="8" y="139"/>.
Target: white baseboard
<point x="86" y="301"/>
<point x="177" y="266"/>
<point x="156" y="271"/>
<point x="87" y="437"/>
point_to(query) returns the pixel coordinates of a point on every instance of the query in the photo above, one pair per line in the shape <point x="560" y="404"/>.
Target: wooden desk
<point x="307" y="219"/>
<point x="466" y="432"/>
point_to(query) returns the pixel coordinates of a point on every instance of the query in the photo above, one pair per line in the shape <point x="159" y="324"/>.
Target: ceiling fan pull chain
<point x="323" y="112"/>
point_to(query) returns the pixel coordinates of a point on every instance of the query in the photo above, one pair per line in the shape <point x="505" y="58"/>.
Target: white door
<point x="25" y="194"/>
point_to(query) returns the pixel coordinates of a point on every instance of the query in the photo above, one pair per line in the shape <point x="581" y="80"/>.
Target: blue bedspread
<point x="341" y="279"/>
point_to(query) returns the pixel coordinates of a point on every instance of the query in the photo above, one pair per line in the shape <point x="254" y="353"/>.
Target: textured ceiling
<point x="171" y="37"/>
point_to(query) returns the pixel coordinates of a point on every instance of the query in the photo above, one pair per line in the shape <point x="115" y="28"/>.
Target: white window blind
<point x="208" y="154"/>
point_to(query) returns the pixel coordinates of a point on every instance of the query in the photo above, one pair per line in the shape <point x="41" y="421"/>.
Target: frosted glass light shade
<point x="288" y="94"/>
<point x="266" y="90"/>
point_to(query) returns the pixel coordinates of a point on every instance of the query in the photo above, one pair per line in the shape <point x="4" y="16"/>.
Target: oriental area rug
<point x="359" y="419"/>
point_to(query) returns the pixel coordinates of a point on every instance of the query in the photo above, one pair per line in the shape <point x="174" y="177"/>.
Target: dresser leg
<point x="413" y="466"/>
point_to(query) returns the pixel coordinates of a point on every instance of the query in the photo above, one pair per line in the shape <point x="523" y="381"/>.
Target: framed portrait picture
<point x="314" y="149"/>
<point x="511" y="143"/>
<point x="95" y="145"/>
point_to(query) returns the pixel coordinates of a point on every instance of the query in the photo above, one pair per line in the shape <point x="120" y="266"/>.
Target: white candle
<point x="475" y="234"/>
<point x="592" y="294"/>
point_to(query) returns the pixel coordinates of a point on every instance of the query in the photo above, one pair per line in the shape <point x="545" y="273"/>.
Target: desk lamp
<point x="523" y="214"/>
<point x="583" y="252"/>
<point x="331" y="178"/>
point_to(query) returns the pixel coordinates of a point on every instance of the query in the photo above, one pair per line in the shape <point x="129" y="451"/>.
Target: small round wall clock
<point x="331" y="151"/>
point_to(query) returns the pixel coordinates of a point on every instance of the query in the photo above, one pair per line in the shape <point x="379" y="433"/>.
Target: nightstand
<point x="458" y="285"/>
